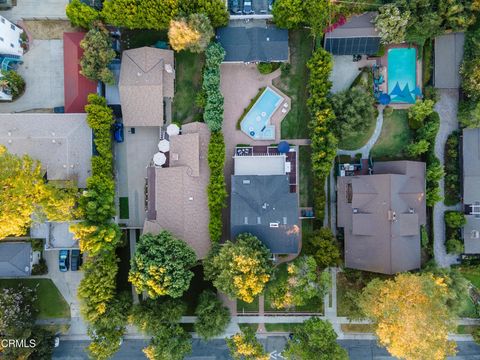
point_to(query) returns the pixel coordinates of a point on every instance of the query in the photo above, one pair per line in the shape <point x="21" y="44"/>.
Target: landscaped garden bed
<point x="306" y="176"/>
<point x="452" y="169"/>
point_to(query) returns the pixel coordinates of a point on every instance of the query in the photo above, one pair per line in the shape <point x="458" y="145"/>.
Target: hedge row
<point x="452" y="169"/>
<point x="324" y="143"/>
<point x="213" y="112"/>
<point x="145" y="14"/>
<point x="454" y="221"/>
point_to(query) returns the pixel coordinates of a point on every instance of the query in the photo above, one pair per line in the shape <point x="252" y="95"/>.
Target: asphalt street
<point x="217" y="350"/>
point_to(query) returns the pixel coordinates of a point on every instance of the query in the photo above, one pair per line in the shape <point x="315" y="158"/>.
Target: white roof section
<point x="448" y="58"/>
<point x="56" y="234"/>
<point x="10" y="38"/>
<point x="61" y="142"/>
<point x="260" y="165"/>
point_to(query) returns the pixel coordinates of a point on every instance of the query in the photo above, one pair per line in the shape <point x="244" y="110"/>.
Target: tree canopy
<point x="314" y="339"/>
<point x="240" y="269"/>
<point x="391" y="24"/>
<point x="161" y="265"/>
<point x="212" y="316"/>
<point x="25" y="193"/>
<point x="411" y="315"/>
<point x="245" y="346"/>
<point x="192" y="33"/>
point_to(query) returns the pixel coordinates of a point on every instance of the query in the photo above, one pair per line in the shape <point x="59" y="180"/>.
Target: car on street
<point x="76" y="260"/>
<point x="118" y="132"/>
<point x="247" y="7"/>
<point x="63" y="260"/>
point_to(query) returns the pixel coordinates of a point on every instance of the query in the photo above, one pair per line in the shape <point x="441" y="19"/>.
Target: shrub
<point x="81" y="14"/>
<point x="454" y="246"/>
<point x="212" y="316"/>
<point x="391" y="24"/>
<point x="41" y="268"/>
<point x="424" y="237"/>
<point x="322" y="245"/>
<point x="419" y="112"/>
<point x="12" y="82"/>
<point x="97" y="55"/>
<point x="416" y="149"/>
<point x="213" y="113"/>
<point x="192" y="33"/>
<point x="452" y="169"/>
<point x="455" y="219"/>
<point x="267" y="67"/>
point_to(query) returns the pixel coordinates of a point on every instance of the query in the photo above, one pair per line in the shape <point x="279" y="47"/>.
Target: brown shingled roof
<point x="146" y="77"/>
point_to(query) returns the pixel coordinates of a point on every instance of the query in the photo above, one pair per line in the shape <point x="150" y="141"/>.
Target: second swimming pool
<point x="402" y="74"/>
<point x="256" y="123"/>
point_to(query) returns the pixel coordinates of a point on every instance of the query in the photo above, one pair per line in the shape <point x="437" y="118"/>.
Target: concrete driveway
<point x="42" y="70"/>
<point x="28" y="9"/>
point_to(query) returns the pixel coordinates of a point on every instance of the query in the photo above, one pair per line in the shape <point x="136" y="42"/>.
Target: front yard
<point x="50" y="303"/>
<point x="293" y="83"/>
<point x="394" y="138"/>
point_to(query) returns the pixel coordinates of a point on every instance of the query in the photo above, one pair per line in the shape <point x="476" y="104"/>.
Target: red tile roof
<point x="77" y="87"/>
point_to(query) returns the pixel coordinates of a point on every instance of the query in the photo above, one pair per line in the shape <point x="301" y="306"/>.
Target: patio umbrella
<point x="396" y="90"/>
<point x="417" y="92"/>
<point x="173" y="130"/>
<point x="384" y="99"/>
<point x="164" y="145"/>
<point x="159" y="159"/>
<point x="283" y="147"/>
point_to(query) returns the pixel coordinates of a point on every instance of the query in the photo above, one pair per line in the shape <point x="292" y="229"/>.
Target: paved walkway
<point x="447" y="108"/>
<point x="365" y="149"/>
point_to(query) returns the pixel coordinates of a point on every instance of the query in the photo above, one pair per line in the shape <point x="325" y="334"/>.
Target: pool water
<point x="256" y="123"/>
<point x="402" y="74"/>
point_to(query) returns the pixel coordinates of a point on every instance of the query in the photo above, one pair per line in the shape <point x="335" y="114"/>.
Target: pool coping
<point x="383" y="61"/>
<point x="283" y="100"/>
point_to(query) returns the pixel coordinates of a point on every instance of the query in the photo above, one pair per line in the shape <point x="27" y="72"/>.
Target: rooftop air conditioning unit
<point x="246" y="182"/>
<point x="274" y="225"/>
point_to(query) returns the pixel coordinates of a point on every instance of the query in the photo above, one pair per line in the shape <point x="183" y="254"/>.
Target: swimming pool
<point x="256" y="123"/>
<point x="402" y="75"/>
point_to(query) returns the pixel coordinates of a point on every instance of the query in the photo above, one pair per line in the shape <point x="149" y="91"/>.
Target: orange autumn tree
<point x="412" y="316"/>
<point x="245" y="346"/>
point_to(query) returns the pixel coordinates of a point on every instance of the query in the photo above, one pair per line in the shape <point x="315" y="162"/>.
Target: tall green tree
<point x="245" y="346"/>
<point x="241" y="268"/>
<point x="292" y="14"/>
<point x="191" y="33"/>
<point x="391" y="24"/>
<point x="97" y="55"/>
<point x="161" y="265"/>
<point x="315" y="339"/>
<point x="171" y="342"/>
<point x="25" y="193"/>
<point x="322" y="245"/>
<point x="212" y="316"/>
<point x="81" y="15"/>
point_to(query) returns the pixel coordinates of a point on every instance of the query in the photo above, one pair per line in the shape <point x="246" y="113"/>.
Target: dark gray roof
<point x="15" y="259"/>
<point x="253" y="44"/>
<point x="471" y="235"/>
<point x="448" y="58"/>
<point x="257" y="202"/>
<point x="357" y="36"/>
<point x="471" y="166"/>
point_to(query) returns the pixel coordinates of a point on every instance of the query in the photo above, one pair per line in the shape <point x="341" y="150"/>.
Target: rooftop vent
<point x="392" y="215"/>
<point x="259" y="220"/>
<point x="355" y="210"/>
<point x="411" y="211"/>
<point x="274" y="225"/>
<point x="245" y="220"/>
<point x="475" y="234"/>
<point x="246" y="182"/>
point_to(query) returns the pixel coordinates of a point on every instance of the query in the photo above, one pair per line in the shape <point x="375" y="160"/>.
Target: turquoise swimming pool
<point x="402" y="75"/>
<point x="256" y="123"/>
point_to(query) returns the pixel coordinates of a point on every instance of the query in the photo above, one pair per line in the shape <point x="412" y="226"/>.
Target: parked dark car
<point x="63" y="260"/>
<point x="247" y="7"/>
<point x="76" y="260"/>
<point x="59" y="109"/>
<point x="235" y="7"/>
<point x="118" y="132"/>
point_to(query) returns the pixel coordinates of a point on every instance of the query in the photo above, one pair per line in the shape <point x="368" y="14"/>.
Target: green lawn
<point x="471" y="273"/>
<point x="282" y="327"/>
<point x="188" y="82"/>
<point x="467" y="329"/>
<point x="294" y="84"/>
<point x="306" y="176"/>
<point x="314" y="305"/>
<point x="469" y="310"/>
<point x="243" y="306"/>
<point x="358" y="328"/>
<point x="395" y="137"/>
<point x="50" y="303"/>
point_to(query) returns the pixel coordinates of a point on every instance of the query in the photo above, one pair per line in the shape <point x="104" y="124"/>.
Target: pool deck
<point x="383" y="61"/>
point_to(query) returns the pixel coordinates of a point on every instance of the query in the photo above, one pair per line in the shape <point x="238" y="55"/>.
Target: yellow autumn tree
<point x="412" y="316"/>
<point x="24" y="193"/>
<point x="245" y="346"/>
<point x="240" y="269"/>
<point x="192" y="33"/>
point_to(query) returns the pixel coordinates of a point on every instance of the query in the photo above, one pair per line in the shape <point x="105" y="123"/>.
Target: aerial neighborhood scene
<point x="240" y="179"/>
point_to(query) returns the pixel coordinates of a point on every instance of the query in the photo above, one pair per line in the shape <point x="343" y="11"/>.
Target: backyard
<point x="394" y="138"/>
<point x="49" y="303"/>
<point x="306" y="176"/>
<point x="293" y="82"/>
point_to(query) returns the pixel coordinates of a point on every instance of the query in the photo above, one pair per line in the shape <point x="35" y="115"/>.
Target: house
<point x="357" y="36"/>
<point x="471" y="190"/>
<point x="146" y="86"/>
<point x="448" y="58"/>
<point x="264" y="203"/>
<point x="61" y="142"/>
<point x="15" y="259"/>
<point x="76" y="86"/>
<point x="381" y="215"/>
<point x="10" y="40"/>
<point x="177" y="192"/>
<point x="242" y="44"/>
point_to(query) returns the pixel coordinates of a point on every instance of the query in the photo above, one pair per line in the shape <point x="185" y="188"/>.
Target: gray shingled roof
<point x="259" y="201"/>
<point x="15" y="259"/>
<point x="471" y="166"/>
<point x="254" y="44"/>
<point x="448" y="58"/>
<point x="381" y="215"/>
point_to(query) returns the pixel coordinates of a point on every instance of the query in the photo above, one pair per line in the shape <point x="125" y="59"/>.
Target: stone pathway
<point x="365" y="149"/>
<point x="447" y="108"/>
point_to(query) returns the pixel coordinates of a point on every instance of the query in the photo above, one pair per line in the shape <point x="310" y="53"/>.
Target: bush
<point x="455" y="219"/>
<point x="322" y="245"/>
<point x="452" y="169"/>
<point x="97" y="55"/>
<point x="41" y="268"/>
<point x="454" y="246"/>
<point x="37" y="244"/>
<point x="419" y="112"/>
<point x="424" y="237"/>
<point x="13" y="83"/>
<point x="213" y="112"/>
<point x="81" y="15"/>
<point x="391" y="24"/>
<point x="212" y="316"/>
<point x="267" y="67"/>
